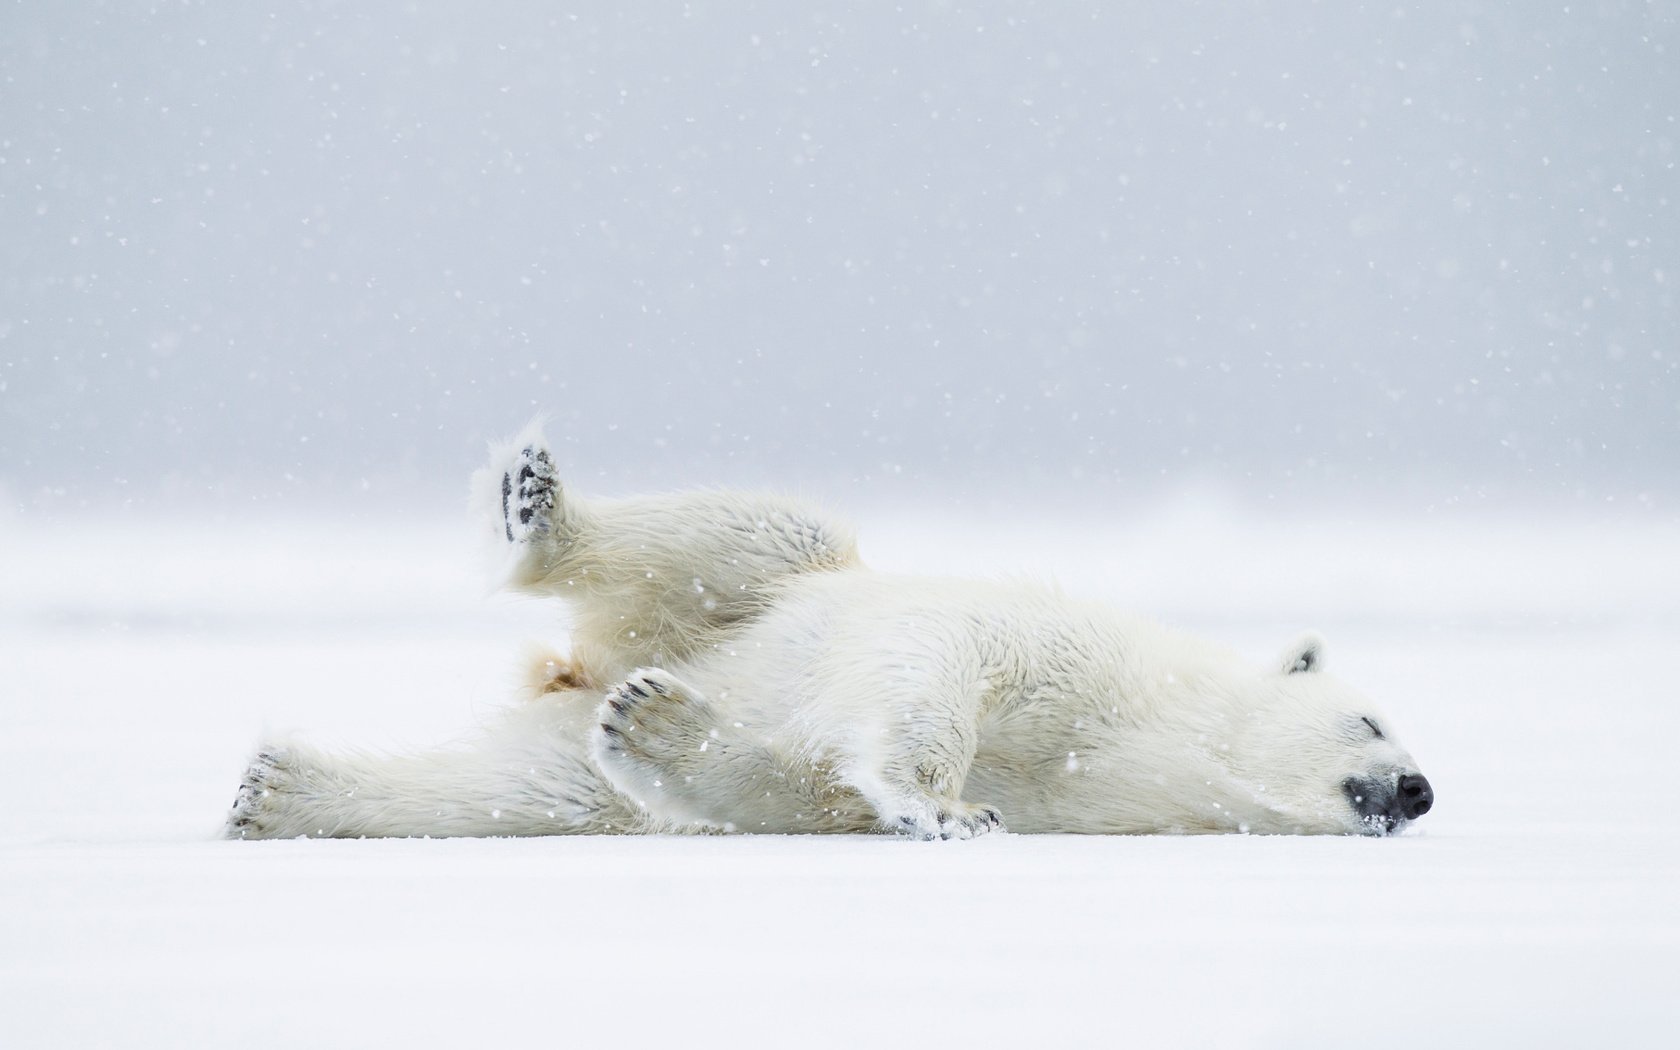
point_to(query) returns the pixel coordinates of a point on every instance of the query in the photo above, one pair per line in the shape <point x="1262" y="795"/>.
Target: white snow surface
<point x="1529" y="663"/>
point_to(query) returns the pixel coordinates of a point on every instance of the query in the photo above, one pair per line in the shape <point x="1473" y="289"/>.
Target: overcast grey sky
<point x="310" y="253"/>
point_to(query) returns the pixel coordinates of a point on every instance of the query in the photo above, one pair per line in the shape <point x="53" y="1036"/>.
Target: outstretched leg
<point x="529" y="775"/>
<point x="654" y="581"/>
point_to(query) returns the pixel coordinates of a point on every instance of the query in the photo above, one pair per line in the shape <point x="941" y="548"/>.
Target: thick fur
<point x="734" y="667"/>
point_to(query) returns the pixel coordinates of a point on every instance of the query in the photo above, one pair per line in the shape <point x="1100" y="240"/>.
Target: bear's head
<point x="1325" y="758"/>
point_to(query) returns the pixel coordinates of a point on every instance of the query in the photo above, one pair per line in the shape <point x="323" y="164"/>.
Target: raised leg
<point x="654" y="580"/>
<point x="536" y="527"/>
<point x="530" y="775"/>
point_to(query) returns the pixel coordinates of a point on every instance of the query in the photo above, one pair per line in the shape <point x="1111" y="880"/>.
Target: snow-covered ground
<point x="1529" y="662"/>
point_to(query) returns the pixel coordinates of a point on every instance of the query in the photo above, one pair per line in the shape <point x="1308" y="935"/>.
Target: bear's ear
<point x="1307" y="654"/>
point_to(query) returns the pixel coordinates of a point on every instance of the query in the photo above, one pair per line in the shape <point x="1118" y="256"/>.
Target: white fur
<point x="734" y="667"/>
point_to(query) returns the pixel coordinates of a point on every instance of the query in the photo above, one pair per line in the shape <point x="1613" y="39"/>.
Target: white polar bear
<point x="735" y="667"/>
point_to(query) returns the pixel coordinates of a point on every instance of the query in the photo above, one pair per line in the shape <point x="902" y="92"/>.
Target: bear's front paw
<point x="528" y="494"/>
<point x="949" y="820"/>
<point x="658" y="744"/>
<point x="652" y="717"/>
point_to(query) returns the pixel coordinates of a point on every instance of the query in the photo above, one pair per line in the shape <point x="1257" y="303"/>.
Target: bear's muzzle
<point x="1383" y="805"/>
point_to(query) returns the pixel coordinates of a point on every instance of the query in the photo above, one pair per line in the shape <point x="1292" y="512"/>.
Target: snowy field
<point x="1528" y="663"/>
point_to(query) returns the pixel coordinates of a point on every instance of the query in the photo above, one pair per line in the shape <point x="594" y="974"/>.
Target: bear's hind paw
<point x="529" y="490"/>
<point x="255" y="805"/>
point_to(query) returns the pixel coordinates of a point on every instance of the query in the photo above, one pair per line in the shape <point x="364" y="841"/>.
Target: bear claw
<point x="952" y="821"/>
<point x="254" y="801"/>
<point x="651" y="718"/>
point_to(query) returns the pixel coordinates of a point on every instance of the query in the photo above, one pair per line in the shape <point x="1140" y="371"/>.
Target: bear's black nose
<point x="1414" y="796"/>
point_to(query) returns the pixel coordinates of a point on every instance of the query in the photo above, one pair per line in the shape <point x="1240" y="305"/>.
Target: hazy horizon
<point x="317" y="256"/>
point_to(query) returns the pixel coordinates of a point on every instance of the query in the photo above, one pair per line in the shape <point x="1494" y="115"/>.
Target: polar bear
<point x="735" y="668"/>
